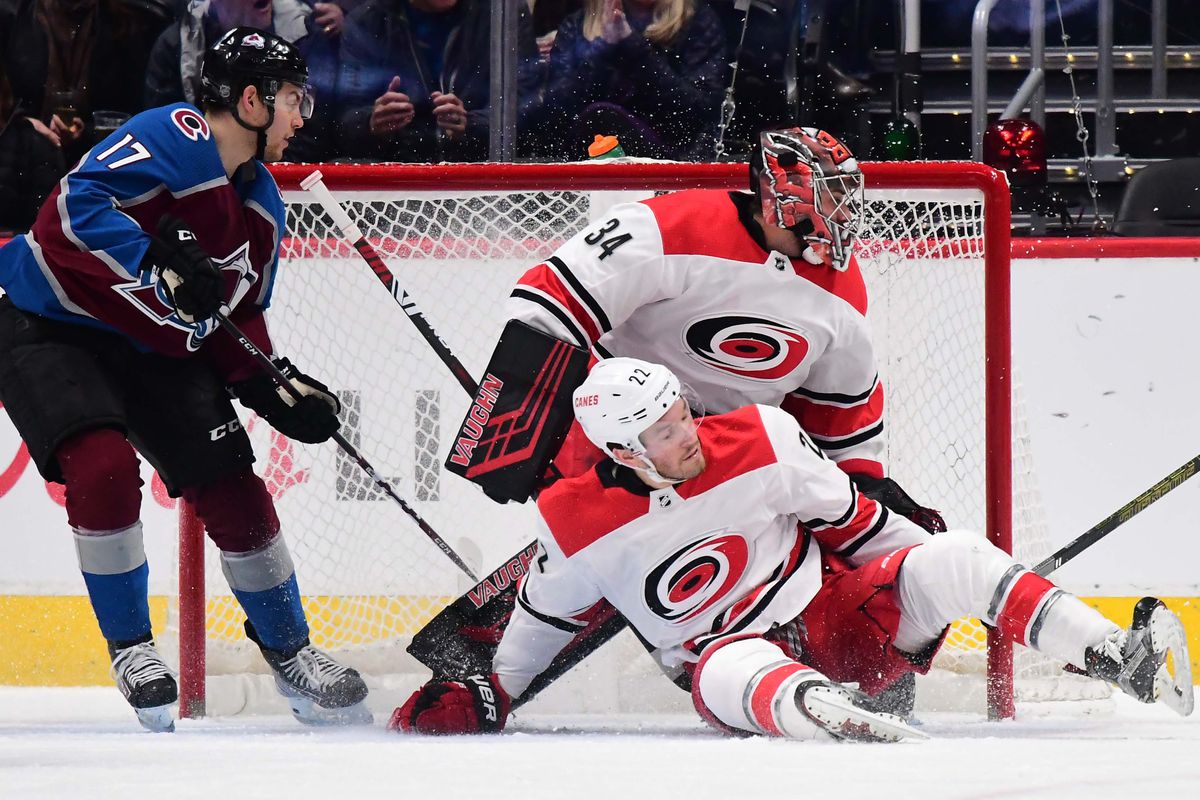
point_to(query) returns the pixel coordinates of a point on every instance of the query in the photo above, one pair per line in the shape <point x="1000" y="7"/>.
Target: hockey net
<point x="935" y="257"/>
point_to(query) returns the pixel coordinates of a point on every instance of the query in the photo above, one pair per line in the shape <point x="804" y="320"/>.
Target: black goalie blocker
<point x="520" y="415"/>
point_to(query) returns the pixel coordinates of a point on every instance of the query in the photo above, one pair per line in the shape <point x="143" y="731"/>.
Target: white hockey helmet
<point x="621" y="398"/>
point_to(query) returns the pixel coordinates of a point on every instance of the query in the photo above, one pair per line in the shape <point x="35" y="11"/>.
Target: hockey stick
<point x="1117" y="518"/>
<point x="354" y="235"/>
<point x="347" y="448"/>
<point x="440" y="646"/>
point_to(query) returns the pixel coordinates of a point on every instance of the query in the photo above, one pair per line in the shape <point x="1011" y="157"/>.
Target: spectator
<point x="649" y="71"/>
<point x="66" y="58"/>
<point x="415" y="79"/>
<point x="173" y="75"/>
<point x="547" y="16"/>
<point x="31" y="162"/>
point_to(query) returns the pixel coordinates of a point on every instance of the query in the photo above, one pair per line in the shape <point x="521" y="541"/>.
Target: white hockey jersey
<point x="680" y="280"/>
<point x="735" y="550"/>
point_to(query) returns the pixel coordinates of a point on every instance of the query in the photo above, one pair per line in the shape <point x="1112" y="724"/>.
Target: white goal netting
<point x="370" y="578"/>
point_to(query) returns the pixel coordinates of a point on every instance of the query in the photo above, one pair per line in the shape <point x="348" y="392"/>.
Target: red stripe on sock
<point x="1023" y="601"/>
<point x="764" y="695"/>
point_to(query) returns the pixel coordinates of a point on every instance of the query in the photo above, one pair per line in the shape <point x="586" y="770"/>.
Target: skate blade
<point x="1175" y="691"/>
<point x="838" y="714"/>
<point x="309" y="713"/>
<point x="156" y="719"/>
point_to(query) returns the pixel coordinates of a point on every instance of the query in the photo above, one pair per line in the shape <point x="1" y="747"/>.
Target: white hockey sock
<point x="1069" y="627"/>
<point x="955" y="574"/>
<point x="959" y="573"/>
<point x="750" y="684"/>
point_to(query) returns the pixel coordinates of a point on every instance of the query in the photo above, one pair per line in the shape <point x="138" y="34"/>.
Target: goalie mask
<point x="621" y="398"/>
<point x="810" y="183"/>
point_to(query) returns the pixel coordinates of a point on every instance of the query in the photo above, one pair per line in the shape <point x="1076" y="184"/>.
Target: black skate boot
<point x="147" y="683"/>
<point x="1136" y="659"/>
<point x="319" y="690"/>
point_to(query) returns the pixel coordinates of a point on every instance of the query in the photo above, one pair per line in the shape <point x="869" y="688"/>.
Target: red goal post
<point x="925" y="229"/>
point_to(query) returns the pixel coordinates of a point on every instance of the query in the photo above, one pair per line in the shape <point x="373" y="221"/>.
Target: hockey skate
<point x="1136" y="659"/>
<point x="319" y="690"/>
<point x="842" y="713"/>
<point x="147" y="683"/>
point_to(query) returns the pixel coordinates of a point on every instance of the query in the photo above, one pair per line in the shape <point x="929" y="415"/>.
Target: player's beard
<point x="275" y="150"/>
<point x="688" y="467"/>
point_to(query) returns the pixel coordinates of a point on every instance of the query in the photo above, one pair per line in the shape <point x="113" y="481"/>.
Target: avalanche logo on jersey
<point x="697" y="576"/>
<point x="190" y="124"/>
<point x="149" y="296"/>
<point x="750" y="347"/>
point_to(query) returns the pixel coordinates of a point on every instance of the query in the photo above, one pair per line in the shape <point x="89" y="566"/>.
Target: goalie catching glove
<point x="188" y="276"/>
<point x="311" y="419"/>
<point x="888" y="493"/>
<point x="476" y="704"/>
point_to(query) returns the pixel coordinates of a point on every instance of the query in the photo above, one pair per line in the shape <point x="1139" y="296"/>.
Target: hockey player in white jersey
<point x="743" y="554"/>
<point x="748" y="297"/>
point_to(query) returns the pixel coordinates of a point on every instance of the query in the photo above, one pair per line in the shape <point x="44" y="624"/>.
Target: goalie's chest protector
<point x="707" y="557"/>
<point x="739" y="323"/>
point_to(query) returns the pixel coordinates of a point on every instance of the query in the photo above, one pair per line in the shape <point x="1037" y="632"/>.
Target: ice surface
<point x="84" y="743"/>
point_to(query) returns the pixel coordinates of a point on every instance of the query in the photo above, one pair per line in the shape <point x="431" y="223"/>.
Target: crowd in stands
<point x="394" y="80"/>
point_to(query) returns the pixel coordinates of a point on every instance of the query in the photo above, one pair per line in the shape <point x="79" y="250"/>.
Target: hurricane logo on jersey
<point x="750" y="347"/>
<point x="694" y="578"/>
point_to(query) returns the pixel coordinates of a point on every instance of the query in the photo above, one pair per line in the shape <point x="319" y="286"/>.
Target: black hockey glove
<point x="189" y="277"/>
<point x="888" y="492"/>
<point x="312" y="419"/>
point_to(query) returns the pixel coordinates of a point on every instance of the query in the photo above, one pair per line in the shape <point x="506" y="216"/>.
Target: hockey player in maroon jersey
<point x="748" y="297"/>
<point x="107" y="343"/>
<point x="740" y="552"/>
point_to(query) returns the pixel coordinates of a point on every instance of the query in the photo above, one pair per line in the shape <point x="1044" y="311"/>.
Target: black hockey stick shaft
<point x="354" y="235"/>
<point x="1118" y="518"/>
<point x="590" y="638"/>
<point x="347" y="448"/>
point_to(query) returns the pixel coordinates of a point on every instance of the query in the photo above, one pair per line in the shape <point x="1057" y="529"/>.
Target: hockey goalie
<point x="743" y="555"/>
